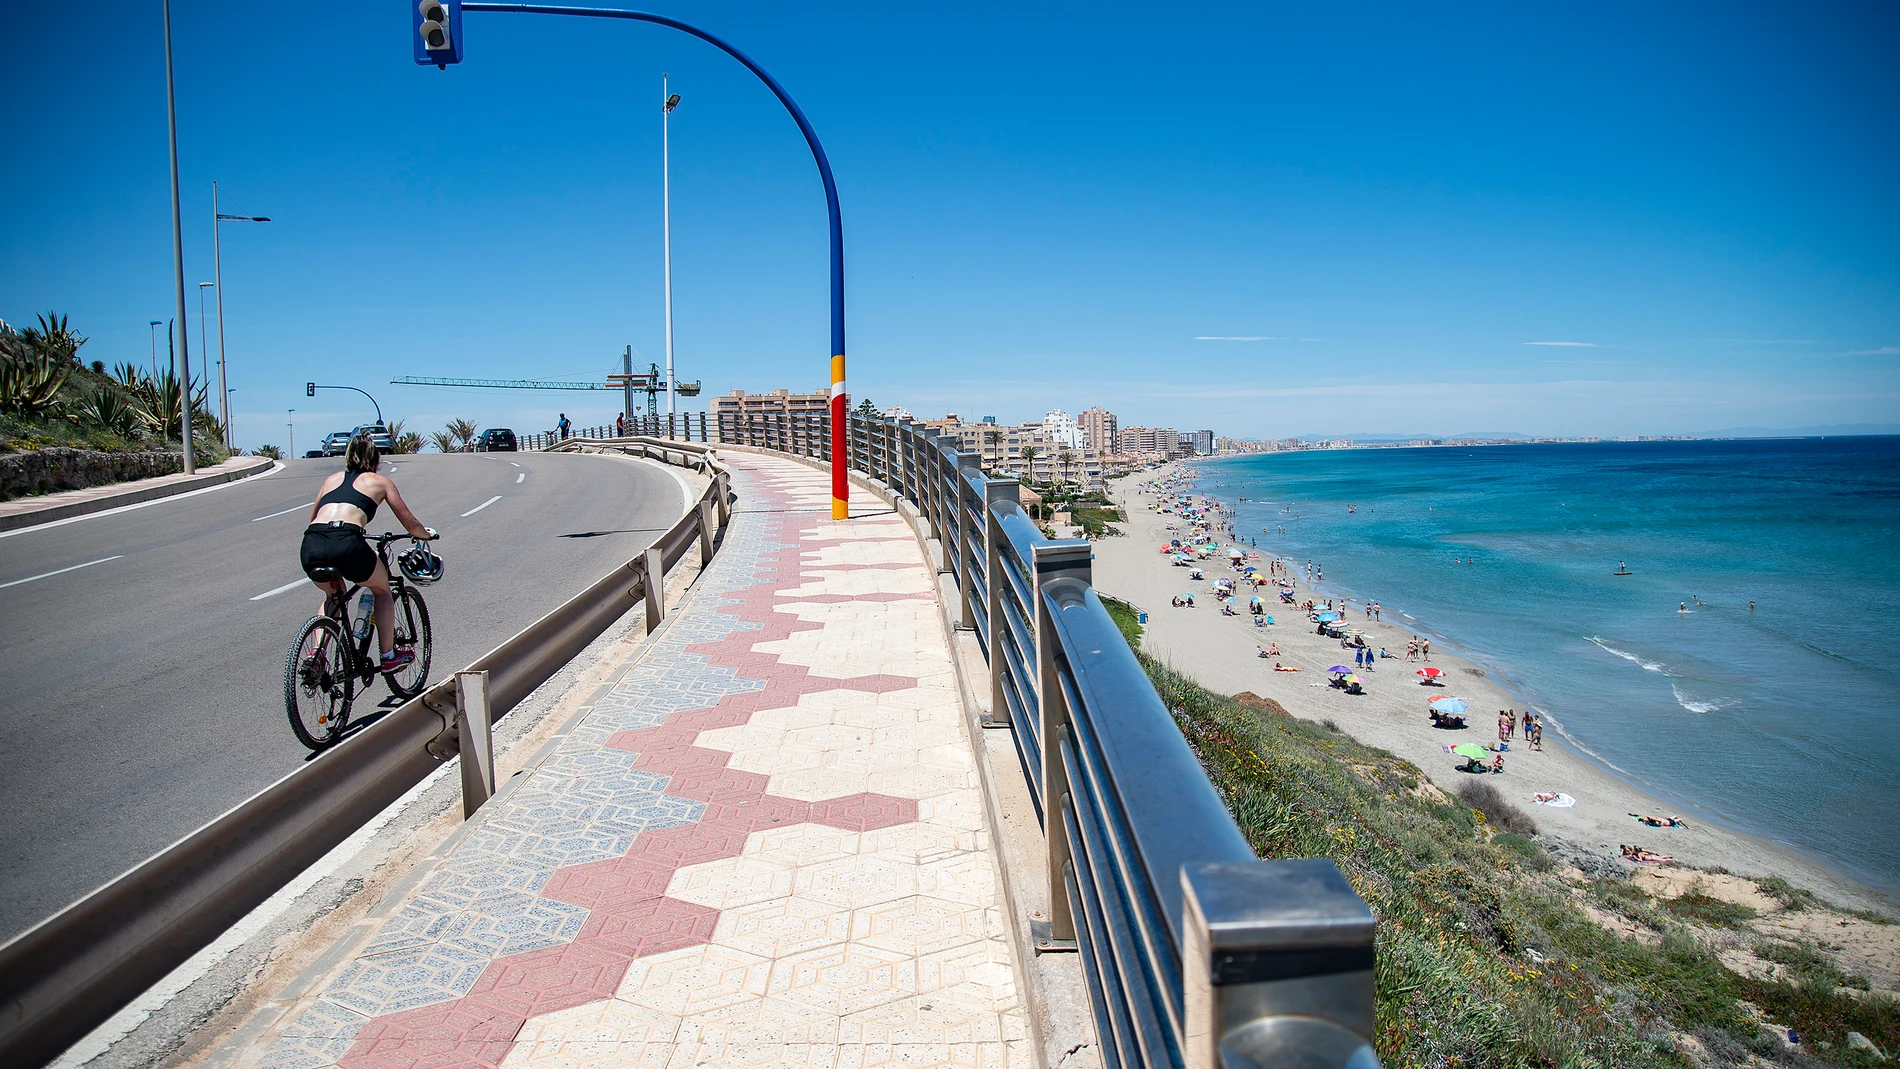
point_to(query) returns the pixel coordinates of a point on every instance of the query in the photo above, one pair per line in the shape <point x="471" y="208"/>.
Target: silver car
<point x="378" y="434"/>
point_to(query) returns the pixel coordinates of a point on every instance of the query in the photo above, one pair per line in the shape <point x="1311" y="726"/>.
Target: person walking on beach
<point x="1425" y="648"/>
<point x="1512" y="713"/>
<point x="1504" y="727"/>
<point x="1375" y="610"/>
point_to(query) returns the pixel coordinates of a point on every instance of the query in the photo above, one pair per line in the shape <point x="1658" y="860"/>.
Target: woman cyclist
<point x="346" y="503"/>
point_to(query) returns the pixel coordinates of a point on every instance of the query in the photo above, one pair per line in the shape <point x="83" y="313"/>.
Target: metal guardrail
<point x="681" y="426"/>
<point x="1197" y="953"/>
<point x="67" y="975"/>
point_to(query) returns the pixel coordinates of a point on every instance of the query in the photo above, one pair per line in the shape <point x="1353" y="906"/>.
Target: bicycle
<point x="328" y="659"/>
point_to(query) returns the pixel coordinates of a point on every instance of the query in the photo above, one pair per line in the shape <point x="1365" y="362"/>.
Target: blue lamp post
<point x="438" y="43"/>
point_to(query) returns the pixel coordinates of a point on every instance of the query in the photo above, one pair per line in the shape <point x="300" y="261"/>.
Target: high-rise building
<point x="1098" y="427"/>
<point x="1155" y="441"/>
<point x="1059" y="427"/>
<point x="738" y="402"/>
<point x="1202" y="443"/>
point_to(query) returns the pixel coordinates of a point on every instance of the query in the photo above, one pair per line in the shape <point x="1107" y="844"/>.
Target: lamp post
<point x="182" y="359"/>
<point x="155" y="324"/>
<point x="203" y="346"/>
<point x="667" y="104"/>
<point x="840" y="480"/>
<point x="290" y="421"/>
<point x="217" y="258"/>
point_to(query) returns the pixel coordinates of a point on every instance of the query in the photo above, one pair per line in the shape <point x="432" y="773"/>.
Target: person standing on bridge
<point x="346" y="502"/>
<point x="562" y="427"/>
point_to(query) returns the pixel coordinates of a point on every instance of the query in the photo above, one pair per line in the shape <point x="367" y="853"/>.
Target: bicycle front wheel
<point x="317" y="683"/>
<point x="412" y="632"/>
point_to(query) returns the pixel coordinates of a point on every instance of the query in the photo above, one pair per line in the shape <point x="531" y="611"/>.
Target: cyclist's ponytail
<point x="361" y="455"/>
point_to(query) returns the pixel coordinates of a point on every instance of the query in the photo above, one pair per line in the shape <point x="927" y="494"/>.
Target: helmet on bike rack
<point x="420" y="565"/>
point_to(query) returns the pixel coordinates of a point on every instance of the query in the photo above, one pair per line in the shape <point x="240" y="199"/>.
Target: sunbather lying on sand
<point x="1283" y="668"/>
<point x="1637" y="853"/>
<point x="1544" y="796"/>
<point x="1662" y="822"/>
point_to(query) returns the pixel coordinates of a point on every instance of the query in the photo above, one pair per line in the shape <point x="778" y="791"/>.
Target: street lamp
<point x="217" y="257"/>
<point x="182" y="359"/>
<point x="155" y="324"/>
<point x="667" y="104"/>
<point x="202" y="346"/>
<point x="290" y="420"/>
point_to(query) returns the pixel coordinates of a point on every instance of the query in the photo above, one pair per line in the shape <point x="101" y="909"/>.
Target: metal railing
<point x="1197" y="953"/>
<point x="681" y="426"/>
<point x="67" y="975"/>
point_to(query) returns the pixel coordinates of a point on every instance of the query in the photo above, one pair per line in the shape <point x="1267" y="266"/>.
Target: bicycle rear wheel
<point x="412" y="631"/>
<point x="317" y="683"/>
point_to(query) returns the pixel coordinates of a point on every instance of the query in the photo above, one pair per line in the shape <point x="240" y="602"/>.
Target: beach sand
<point x="1220" y="652"/>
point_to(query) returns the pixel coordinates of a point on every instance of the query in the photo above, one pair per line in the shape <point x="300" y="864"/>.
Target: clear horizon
<point x="1619" y="221"/>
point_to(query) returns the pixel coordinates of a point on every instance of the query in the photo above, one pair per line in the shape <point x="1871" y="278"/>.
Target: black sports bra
<point x="348" y="494"/>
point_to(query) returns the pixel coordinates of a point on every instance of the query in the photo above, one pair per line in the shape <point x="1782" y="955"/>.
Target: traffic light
<point x="309" y="389"/>
<point x="438" y="37"/>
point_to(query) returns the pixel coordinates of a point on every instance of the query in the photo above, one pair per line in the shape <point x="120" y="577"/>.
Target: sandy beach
<point x="1221" y="652"/>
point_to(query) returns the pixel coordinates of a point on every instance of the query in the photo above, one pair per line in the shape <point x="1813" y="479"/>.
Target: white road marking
<point x="481" y="506"/>
<point x="287" y="586"/>
<point x="274" y="515"/>
<point x="61" y="571"/>
<point x="512" y="462"/>
<point x="276" y="466"/>
<point x="521" y="477"/>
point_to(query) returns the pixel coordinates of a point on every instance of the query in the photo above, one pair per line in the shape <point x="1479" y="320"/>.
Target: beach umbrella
<point x="1471" y="750"/>
<point x="1327" y="617"/>
<point x="1350" y="677"/>
<point x="1431" y="673"/>
<point x="1452" y="706"/>
<point x="1339" y="670"/>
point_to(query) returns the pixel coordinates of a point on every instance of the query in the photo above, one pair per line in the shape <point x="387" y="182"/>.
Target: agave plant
<point x="29" y="378"/>
<point x="443" y="443"/>
<point x="409" y="442"/>
<point x="159" y="397"/>
<point x="54" y="339"/>
<point x="270" y="451"/>
<point x="110" y="409"/>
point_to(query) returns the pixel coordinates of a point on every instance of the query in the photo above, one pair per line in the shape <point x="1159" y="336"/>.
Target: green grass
<point x="1485" y="954"/>
<point x="1125" y="618"/>
<point x="1712" y="912"/>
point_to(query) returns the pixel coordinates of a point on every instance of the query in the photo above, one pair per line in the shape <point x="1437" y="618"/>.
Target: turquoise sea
<point x="1783" y="720"/>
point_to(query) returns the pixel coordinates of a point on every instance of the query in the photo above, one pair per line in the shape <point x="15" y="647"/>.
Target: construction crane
<point x="648" y="381"/>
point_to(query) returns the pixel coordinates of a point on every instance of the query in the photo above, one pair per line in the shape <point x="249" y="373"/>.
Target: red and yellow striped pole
<point x="840" y="461"/>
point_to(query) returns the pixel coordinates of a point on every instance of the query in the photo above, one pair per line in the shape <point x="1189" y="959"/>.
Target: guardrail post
<point x="655" y="583"/>
<point x="705" y="533"/>
<point x="966" y="534"/>
<point x="995" y="490"/>
<point x="1067" y="559"/>
<point x="1276" y="961"/>
<point x="477" y="736"/>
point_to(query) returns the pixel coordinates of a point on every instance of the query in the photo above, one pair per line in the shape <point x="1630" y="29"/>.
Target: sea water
<point x="1782" y="720"/>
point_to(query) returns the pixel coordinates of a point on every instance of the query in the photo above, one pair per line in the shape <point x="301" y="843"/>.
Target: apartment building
<point x="1149" y="441"/>
<point x="1098" y="427"/>
<point x="738" y="402"/>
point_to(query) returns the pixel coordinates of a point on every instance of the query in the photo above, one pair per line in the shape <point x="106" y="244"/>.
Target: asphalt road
<point x="141" y="691"/>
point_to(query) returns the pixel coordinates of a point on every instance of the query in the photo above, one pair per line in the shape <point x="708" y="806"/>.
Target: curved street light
<point x="840" y="482"/>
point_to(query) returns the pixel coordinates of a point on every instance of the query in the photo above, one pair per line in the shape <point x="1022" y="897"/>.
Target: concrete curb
<point x="67" y="509"/>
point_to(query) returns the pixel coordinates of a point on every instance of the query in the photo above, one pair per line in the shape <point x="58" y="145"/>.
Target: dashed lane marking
<point x="60" y="571"/>
<point x="481" y="506"/>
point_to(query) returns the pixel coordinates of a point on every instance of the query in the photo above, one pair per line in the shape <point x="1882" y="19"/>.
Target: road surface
<point x="142" y="652"/>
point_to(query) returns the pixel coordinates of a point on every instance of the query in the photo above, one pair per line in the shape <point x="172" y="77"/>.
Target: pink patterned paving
<point x="630" y="916"/>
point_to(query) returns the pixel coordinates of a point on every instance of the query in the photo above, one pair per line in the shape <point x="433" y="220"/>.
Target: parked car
<point x="496" y="440"/>
<point x="336" y="444"/>
<point x="314" y="453"/>
<point x="379" y="435"/>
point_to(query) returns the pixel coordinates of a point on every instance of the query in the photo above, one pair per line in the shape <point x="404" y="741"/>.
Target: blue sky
<point x="1044" y="206"/>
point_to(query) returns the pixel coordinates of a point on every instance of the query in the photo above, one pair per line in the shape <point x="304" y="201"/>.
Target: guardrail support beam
<point x="1067" y="559"/>
<point x="653" y="580"/>
<point x="995" y="490"/>
<point x="476" y="731"/>
<point x="966" y="534"/>
<point x="705" y="532"/>
<point x="1276" y="961"/>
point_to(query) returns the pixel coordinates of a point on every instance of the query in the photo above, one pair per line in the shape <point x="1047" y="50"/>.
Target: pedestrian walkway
<point x="44" y="508"/>
<point x="765" y="845"/>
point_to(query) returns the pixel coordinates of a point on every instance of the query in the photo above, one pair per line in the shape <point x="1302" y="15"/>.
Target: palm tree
<point x="1029" y="454"/>
<point x="992" y="437"/>
<point x="1063" y="460"/>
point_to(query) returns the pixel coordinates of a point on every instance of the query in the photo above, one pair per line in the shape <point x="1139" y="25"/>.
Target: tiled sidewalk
<point x="765" y="846"/>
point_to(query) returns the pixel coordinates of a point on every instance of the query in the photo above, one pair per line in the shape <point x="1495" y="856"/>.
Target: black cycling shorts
<point x="340" y="546"/>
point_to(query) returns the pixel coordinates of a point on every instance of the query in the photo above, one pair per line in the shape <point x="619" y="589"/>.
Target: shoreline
<point x="1221" y="653"/>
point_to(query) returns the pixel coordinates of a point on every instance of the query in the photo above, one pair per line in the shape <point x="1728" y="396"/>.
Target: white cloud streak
<point x="1242" y="337"/>
<point x="1885" y="350"/>
<point x="1566" y="344"/>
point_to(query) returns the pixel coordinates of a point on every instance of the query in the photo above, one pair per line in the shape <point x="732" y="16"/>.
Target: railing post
<point x="1277" y="960"/>
<point x="996" y="490"/>
<point x="476" y="735"/>
<point x="1067" y="559"/>
<point x="655" y="583"/>
<point x="964" y="531"/>
<point x="705" y="533"/>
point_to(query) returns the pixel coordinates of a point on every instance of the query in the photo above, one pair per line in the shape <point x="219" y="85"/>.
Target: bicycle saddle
<point x="325" y="575"/>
